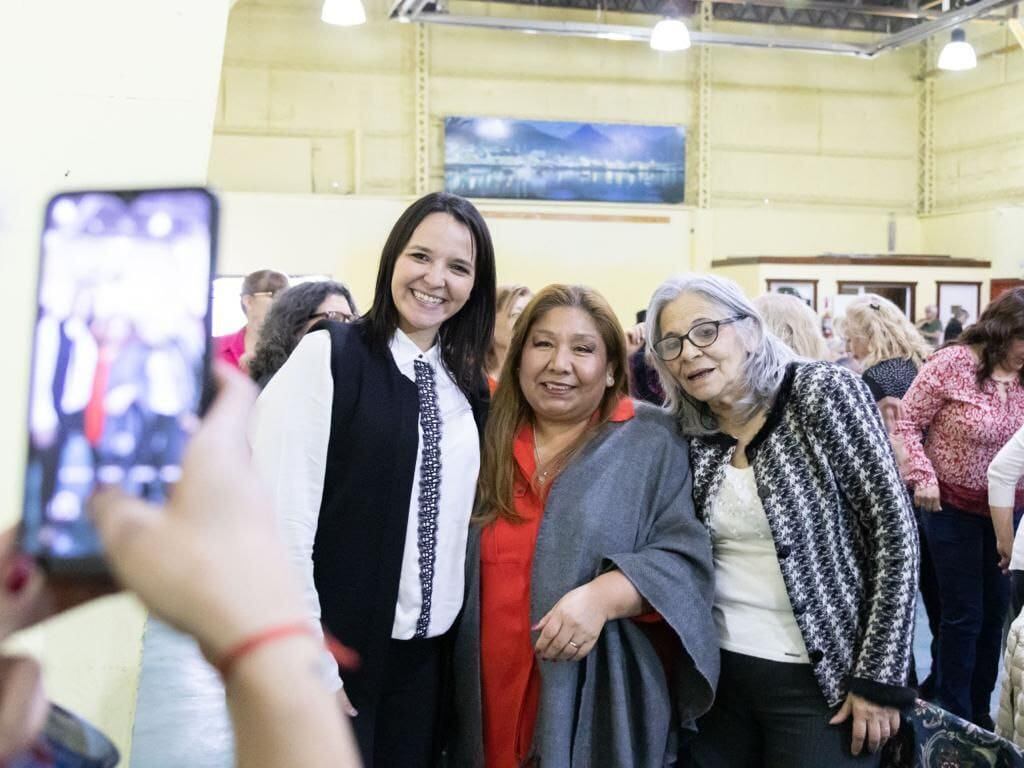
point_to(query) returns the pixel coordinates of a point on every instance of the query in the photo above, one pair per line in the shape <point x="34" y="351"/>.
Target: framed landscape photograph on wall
<point x="805" y="290"/>
<point x="554" y="160"/>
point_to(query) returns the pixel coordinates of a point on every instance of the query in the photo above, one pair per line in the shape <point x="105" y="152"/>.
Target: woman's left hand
<point x="871" y="722"/>
<point x="569" y="631"/>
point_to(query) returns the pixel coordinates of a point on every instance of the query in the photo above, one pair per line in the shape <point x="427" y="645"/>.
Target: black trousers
<point x="404" y="727"/>
<point x="769" y="714"/>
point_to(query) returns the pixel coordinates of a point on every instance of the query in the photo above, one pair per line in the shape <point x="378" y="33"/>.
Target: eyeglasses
<point x="701" y="335"/>
<point x="271" y="294"/>
<point x="339" y="317"/>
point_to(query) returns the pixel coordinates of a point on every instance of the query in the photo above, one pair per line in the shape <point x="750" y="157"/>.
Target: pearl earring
<point x="610" y="380"/>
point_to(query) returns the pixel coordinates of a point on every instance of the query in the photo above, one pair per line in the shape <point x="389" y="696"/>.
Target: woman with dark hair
<point x="295" y="311"/>
<point x="814" y="543"/>
<point x="970" y="399"/>
<point x="584" y="520"/>
<point x="370" y="437"/>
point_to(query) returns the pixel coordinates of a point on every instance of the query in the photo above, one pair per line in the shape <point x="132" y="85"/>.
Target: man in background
<point x="955" y="326"/>
<point x="258" y="292"/>
<point x="931" y="326"/>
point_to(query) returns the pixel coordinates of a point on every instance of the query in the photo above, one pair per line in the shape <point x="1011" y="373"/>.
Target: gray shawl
<point x="624" y="502"/>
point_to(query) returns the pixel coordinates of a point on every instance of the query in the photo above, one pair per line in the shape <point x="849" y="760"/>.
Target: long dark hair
<point x="464" y="337"/>
<point x="999" y="326"/>
<point x="282" y="328"/>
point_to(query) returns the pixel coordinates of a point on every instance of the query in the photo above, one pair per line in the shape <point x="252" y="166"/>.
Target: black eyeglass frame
<point x="333" y="315"/>
<point x="686" y="337"/>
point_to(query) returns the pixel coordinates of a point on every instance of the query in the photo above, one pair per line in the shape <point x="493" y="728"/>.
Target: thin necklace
<point x="542" y="477"/>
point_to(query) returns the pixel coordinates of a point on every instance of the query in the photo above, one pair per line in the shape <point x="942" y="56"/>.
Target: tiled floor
<point x="181" y="719"/>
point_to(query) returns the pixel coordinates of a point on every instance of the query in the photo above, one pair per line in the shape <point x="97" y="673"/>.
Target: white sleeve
<point x="1005" y="470"/>
<point x="289" y="432"/>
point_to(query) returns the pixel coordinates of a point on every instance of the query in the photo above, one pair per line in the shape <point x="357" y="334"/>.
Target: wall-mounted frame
<point x="508" y="158"/>
<point x="949" y="294"/>
<point x="901" y="294"/>
<point x="805" y="290"/>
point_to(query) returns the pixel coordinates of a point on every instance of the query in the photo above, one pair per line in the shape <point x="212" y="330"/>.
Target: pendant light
<point x="957" y="55"/>
<point x="343" y="13"/>
<point x="670" y="35"/>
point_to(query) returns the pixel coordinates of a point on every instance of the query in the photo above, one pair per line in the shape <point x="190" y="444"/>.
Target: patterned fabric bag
<point x="931" y="737"/>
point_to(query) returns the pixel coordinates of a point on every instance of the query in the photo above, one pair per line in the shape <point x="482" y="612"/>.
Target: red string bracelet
<point x="254" y="641"/>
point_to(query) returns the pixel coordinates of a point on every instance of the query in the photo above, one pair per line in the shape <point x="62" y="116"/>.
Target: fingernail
<point x="535" y="627"/>
<point x="18" y="574"/>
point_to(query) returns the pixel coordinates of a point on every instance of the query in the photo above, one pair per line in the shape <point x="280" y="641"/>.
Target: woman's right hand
<point x="927" y="498"/>
<point x="210" y="562"/>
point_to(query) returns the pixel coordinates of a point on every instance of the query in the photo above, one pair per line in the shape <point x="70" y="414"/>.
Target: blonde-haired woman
<point x="795" y="323"/>
<point x="886" y="343"/>
<point x="510" y="303"/>
<point x="585" y="520"/>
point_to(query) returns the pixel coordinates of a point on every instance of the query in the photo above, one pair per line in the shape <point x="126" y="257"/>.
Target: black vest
<point x="360" y="537"/>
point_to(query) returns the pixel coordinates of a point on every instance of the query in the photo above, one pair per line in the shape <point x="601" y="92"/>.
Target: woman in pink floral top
<point x="969" y="398"/>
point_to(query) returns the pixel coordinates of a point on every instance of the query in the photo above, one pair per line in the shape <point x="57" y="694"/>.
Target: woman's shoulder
<point x="951" y="365"/>
<point x="650" y="429"/>
<point x="810" y="378"/>
<point x="954" y="354"/>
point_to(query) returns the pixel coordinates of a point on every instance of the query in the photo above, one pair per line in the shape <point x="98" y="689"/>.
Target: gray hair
<point x="766" y="363"/>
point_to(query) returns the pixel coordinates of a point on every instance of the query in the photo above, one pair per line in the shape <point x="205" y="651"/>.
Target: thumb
<point x="540" y="624"/>
<point x="843" y="713"/>
<point x="124" y="523"/>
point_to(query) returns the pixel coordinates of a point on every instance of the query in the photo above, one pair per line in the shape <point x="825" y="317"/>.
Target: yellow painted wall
<point x="979" y="125"/>
<point x="119" y="93"/>
<point x="809" y="153"/>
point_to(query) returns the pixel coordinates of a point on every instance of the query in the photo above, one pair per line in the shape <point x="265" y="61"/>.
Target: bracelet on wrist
<point x="257" y="640"/>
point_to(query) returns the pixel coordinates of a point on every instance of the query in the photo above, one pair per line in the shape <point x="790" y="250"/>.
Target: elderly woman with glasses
<point x="814" y="542"/>
<point x="295" y="311"/>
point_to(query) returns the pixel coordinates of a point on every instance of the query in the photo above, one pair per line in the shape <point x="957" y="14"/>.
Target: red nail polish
<point x="18" y="574"/>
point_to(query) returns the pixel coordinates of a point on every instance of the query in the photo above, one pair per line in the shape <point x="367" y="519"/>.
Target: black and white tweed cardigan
<point x="843" y="528"/>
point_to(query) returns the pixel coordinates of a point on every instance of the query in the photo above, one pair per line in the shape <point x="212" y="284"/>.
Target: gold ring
<point x="574" y="645"/>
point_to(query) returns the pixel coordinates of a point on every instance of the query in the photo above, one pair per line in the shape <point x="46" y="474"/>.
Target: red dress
<point x="509" y="678"/>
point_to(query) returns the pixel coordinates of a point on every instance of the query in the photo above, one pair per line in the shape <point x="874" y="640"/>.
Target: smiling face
<point x="433" y="277"/>
<point x="709" y="374"/>
<point x="564" y="368"/>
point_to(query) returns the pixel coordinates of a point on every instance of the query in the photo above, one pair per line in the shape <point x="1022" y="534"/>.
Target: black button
<point x="783" y="550"/>
<point x="815" y="655"/>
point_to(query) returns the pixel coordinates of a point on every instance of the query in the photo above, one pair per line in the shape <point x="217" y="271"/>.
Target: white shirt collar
<point x="405" y="351"/>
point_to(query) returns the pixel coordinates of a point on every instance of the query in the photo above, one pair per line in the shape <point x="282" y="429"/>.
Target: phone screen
<point x="119" y="356"/>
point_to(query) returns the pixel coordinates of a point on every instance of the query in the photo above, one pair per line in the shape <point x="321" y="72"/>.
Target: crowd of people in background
<point x="552" y="540"/>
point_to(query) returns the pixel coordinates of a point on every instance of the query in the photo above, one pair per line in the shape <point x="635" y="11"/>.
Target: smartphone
<point x="68" y="741"/>
<point x="120" y="358"/>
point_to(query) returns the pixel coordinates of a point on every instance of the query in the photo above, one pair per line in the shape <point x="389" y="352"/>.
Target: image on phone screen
<point x="119" y="355"/>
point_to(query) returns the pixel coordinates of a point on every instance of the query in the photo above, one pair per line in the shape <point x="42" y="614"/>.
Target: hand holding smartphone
<point x="119" y="358"/>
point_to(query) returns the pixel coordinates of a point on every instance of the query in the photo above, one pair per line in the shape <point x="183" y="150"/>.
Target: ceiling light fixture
<point x="343" y="13"/>
<point x="957" y="55"/>
<point x="670" y="35"/>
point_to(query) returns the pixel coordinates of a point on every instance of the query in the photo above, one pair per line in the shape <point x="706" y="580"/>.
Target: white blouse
<point x="289" y="434"/>
<point x="1003" y="475"/>
<point x="752" y="609"/>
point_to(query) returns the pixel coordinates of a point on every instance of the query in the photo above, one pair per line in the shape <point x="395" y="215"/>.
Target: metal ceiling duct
<point x="422" y="11"/>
